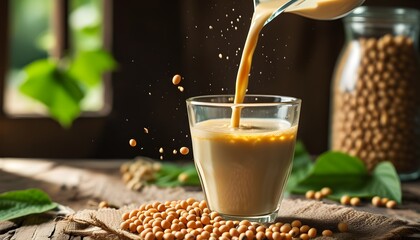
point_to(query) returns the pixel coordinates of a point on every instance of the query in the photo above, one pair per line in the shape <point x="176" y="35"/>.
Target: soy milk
<point x="243" y="170"/>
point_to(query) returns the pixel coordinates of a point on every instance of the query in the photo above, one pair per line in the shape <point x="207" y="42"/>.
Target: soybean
<point x="176" y="79"/>
<point x="184" y="150"/>
<point x="391" y="204"/>
<point x="355" y="201"/>
<point x="312" y="232"/>
<point x="376" y="201"/>
<point x="345" y="200"/>
<point x="318" y="196"/>
<point x="132" y="142"/>
<point x="343" y="227"/>
<point x="327" y="233"/>
<point x="310" y="194"/>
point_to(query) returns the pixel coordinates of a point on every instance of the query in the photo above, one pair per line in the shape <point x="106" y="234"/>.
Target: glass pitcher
<point x="315" y="9"/>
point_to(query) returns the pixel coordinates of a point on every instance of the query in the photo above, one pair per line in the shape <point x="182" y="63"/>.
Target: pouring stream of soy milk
<point x="264" y="12"/>
<point x="261" y="14"/>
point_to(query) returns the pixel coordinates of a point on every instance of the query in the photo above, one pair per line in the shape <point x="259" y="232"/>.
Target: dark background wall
<point x="153" y="40"/>
<point x="295" y="56"/>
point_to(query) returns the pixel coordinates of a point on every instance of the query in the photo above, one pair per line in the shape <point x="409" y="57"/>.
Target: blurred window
<point x="52" y="28"/>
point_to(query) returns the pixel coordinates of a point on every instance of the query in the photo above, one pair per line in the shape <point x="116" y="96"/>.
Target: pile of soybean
<point x="191" y="219"/>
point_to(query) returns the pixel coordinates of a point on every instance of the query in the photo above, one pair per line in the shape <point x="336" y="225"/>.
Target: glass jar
<point x="376" y="87"/>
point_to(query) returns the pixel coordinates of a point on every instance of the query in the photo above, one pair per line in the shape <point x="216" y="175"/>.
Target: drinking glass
<point x="243" y="171"/>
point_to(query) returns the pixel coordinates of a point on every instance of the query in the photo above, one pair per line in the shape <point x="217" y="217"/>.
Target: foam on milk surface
<point x="250" y="127"/>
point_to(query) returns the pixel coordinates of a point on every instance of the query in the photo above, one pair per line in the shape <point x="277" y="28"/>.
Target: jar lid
<point x="384" y="15"/>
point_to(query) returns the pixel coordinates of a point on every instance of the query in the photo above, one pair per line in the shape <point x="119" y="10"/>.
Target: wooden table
<point x="82" y="184"/>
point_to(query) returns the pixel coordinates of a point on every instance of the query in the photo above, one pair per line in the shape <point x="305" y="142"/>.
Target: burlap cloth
<point x="104" y="223"/>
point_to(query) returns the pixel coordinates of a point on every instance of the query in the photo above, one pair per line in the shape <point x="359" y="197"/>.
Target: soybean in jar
<point x="375" y="109"/>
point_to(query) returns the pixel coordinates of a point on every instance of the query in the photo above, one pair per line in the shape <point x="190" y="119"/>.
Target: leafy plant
<point x="348" y="175"/>
<point x="20" y="203"/>
<point x="302" y="164"/>
<point x="61" y="84"/>
<point x="172" y="175"/>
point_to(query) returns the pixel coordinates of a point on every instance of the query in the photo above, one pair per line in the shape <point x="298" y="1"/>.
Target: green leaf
<point x="335" y="170"/>
<point x="47" y="83"/>
<point x="88" y="66"/>
<point x="302" y="164"/>
<point x="189" y="176"/>
<point x="64" y="109"/>
<point x="16" y="204"/>
<point x="300" y="149"/>
<point x="385" y="182"/>
<point x="347" y="175"/>
<point x="168" y="175"/>
<point x="337" y="163"/>
<point x="37" y="80"/>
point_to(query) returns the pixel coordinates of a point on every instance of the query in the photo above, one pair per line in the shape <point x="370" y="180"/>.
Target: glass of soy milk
<point x="244" y="170"/>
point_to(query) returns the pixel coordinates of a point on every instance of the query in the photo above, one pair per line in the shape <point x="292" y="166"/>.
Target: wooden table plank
<point x="7" y="235"/>
<point x="37" y="226"/>
<point x="6" y="226"/>
<point x="45" y="230"/>
<point x="58" y="233"/>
